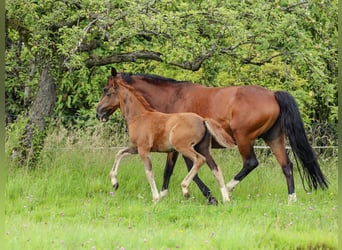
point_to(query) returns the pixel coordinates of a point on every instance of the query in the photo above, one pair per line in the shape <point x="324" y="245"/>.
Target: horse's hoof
<point x="163" y="193"/>
<point x="187" y="195"/>
<point x="116" y="186"/>
<point x="292" y="199"/>
<point x="212" y="201"/>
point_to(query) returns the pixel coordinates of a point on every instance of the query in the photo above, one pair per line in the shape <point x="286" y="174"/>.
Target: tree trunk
<point x="42" y="108"/>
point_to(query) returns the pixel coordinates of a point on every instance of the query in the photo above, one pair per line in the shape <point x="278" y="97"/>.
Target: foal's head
<point x="109" y="101"/>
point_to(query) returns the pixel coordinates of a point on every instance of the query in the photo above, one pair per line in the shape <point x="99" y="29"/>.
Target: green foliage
<point x="13" y="134"/>
<point x="24" y="142"/>
<point x="287" y="45"/>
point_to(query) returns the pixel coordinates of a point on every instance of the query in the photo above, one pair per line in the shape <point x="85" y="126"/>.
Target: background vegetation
<point x="58" y="54"/>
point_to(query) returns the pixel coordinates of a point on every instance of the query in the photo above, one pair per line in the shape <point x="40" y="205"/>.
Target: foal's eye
<point x="105" y="90"/>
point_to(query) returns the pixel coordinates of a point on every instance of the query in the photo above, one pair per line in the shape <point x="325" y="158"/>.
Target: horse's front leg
<point x="149" y="174"/>
<point x="250" y="162"/>
<point x="114" y="172"/>
<point x="168" y="170"/>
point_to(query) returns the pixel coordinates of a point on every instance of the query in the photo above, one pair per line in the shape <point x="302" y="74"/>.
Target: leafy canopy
<point x="289" y="45"/>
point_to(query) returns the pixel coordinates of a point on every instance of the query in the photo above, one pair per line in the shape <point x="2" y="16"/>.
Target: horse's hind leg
<point x="204" y="149"/>
<point x="168" y="170"/>
<point x="277" y="146"/>
<point x="121" y="154"/>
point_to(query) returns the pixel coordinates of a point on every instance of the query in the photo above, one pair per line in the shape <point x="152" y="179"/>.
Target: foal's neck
<point x="132" y="106"/>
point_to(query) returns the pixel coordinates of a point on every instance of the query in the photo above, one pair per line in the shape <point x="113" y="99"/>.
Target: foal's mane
<point x="140" y="98"/>
<point x="153" y="79"/>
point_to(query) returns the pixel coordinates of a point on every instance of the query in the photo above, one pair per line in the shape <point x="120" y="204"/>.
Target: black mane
<point x="154" y="79"/>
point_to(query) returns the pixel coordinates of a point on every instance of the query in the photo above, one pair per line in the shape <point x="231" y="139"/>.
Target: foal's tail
<point x="220" y="135"/>
<point x="292" y="124"/>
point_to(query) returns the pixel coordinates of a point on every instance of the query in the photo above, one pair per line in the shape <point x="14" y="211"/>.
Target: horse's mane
<point x="153" y="79"/>
<point x="140" y="98"/>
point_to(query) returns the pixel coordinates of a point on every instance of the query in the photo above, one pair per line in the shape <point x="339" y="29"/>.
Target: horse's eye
<point x="105" y="90"/>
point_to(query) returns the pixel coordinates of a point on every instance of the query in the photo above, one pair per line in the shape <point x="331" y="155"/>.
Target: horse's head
<point x="109" y="101"/>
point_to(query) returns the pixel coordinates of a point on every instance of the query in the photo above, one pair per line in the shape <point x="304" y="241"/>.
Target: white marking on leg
<point x="155" y="193"/>
<point x="197" y="163"/>
<point x="186" y="182"/>
<point x="149" y="174"/>
<point x="231" y="185"/>
<point x="225" y="194"/>
<point x="292" y="198"/>
<point x="224" y="191"/>
<point x="114" y="172"/>
<point x="163" y="193"/>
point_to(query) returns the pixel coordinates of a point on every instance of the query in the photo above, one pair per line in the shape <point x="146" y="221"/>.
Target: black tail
<point x="292" y="124"/>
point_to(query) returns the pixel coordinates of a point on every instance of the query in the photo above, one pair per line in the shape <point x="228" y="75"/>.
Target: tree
<point x="288" y="45"/>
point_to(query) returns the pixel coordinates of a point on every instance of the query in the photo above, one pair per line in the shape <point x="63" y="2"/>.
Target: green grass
<point x="66" y="203"/>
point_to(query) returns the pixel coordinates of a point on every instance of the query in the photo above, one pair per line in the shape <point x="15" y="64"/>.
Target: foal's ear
<point x="114" y="73"/>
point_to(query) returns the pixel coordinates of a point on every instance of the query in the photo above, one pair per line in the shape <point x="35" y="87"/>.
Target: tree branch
<point x="124" y="57"/>
<point x="266" y="60"/>
<point x="197" y="63"/>
<point x="151" y="55"/>
<point x="291" y="7"/>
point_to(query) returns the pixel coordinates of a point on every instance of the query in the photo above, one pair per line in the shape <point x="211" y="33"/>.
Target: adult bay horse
<point x="150" y="130"/>
<point x="246" y="113"/>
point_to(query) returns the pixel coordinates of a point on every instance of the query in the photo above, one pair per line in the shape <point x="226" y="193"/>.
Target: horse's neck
<point x="159" y="96"/>
<point x="130" y="105"/>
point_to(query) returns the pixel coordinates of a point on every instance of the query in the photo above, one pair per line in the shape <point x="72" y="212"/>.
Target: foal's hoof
<point x="155" y="200"/>
<point x="212" y="201"/>
<point x="116" y="186"/>
<point x="187" y="195"/>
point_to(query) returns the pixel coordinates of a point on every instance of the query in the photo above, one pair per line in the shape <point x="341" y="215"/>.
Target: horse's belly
<point x="162" y="146"/>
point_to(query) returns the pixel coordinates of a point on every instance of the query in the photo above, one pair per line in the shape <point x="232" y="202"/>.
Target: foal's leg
<point x="198" y="161"/>
<point x="204" y="149"/>
<point x="217" y="172"/>
<point x="168" y="170"/>
<point x="145" y="157"/>
<point x="121" y="154"/>
<point x="204" y="189"/>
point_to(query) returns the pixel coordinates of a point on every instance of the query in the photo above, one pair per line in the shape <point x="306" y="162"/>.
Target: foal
<point x="152" y="131"/>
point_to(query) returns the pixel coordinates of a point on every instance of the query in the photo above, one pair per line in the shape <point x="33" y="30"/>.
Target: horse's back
<point x="235" y="107"/>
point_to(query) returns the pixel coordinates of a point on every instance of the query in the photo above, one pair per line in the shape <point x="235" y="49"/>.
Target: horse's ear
<point x="114" y="73"/>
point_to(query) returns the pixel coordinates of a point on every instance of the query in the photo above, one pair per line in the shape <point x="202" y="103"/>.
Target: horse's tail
<point x="293" y="126"/>
<point x="220" y="135"/>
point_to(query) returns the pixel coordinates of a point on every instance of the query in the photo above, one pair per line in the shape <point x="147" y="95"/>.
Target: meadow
<point x="67" y="202"/>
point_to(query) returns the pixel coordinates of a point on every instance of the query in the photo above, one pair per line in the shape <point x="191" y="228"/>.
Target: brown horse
<point x="246" y="113"/>
<point x="150" y="130"/>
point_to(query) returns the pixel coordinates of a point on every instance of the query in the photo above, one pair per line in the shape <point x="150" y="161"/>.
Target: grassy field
<point x="68" y="203"/>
